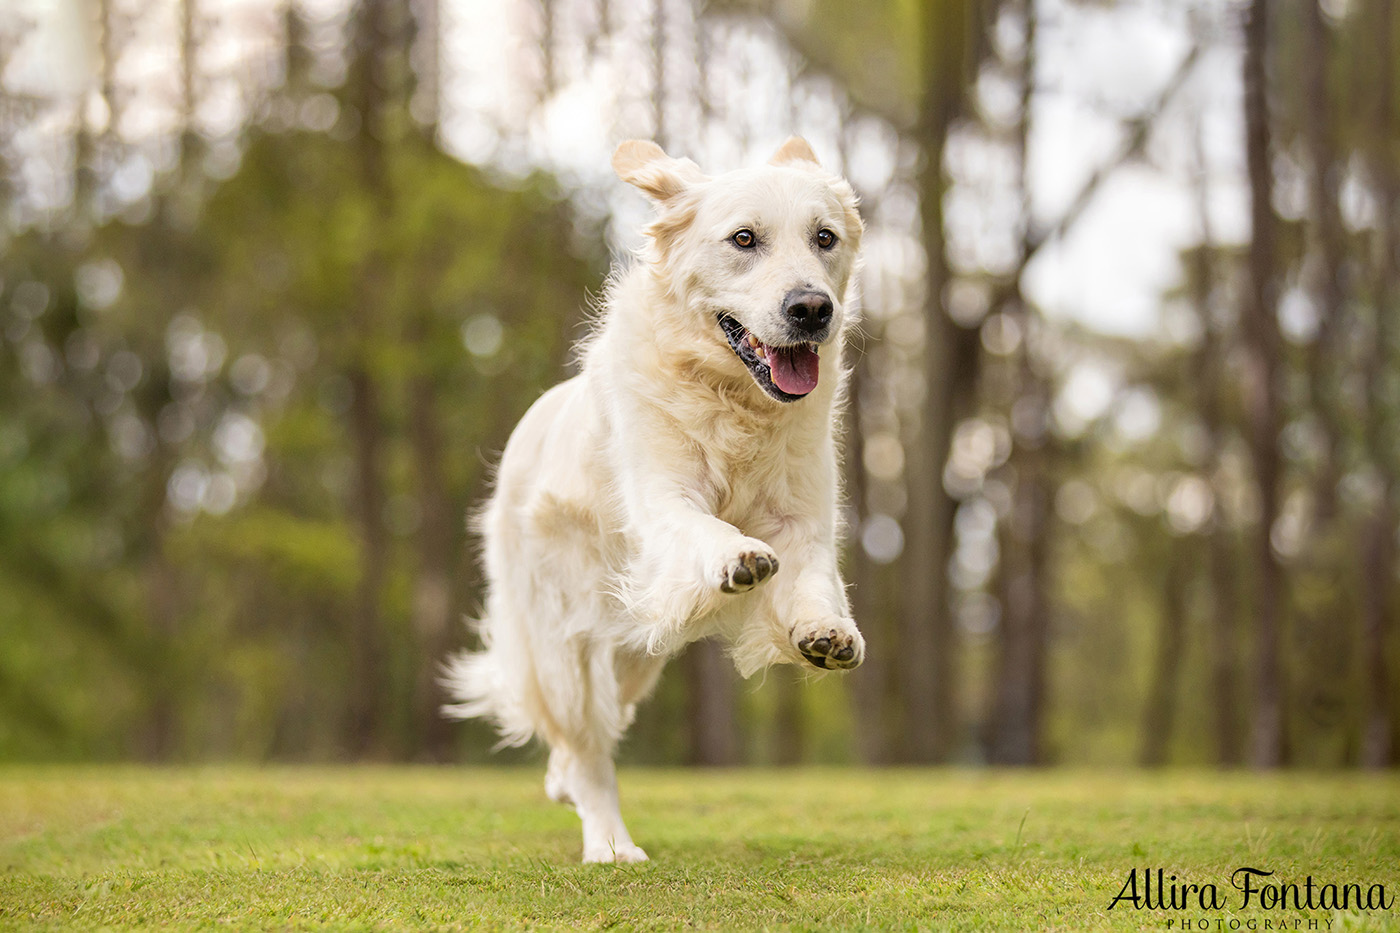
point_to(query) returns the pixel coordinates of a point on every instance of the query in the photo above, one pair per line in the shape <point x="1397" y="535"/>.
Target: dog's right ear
<point x="796" y="149"/>
<point x="644" y="164"/>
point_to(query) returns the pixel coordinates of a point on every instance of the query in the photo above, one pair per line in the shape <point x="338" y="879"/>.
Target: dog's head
<point x="759" y="259"/>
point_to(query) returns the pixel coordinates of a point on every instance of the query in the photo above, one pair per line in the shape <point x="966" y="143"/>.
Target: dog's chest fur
<point x="753" y="468"/>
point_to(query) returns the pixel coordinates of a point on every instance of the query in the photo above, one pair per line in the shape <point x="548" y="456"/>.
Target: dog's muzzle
<point x="788" y="372"/>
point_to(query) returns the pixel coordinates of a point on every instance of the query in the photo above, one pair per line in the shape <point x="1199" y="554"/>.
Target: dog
<point x="684" y="484"/>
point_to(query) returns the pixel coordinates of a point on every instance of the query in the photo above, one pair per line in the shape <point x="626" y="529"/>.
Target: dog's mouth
<point x="786" y="373"/>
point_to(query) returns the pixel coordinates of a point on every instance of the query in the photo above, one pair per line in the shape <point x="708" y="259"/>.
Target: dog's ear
<point x="644" y="164"/>
<point x="794" y="150"/>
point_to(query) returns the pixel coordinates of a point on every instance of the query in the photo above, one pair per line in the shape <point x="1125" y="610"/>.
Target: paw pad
<point x="830" y="650"/>
<point x="748" y="570"/>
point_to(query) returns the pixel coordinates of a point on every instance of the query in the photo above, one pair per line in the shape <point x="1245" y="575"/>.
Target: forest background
<point x="1122" y="452"/>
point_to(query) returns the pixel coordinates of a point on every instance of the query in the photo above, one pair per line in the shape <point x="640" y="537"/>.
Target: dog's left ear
<point x="646" y="165"/>
<point x="794" y="150"/>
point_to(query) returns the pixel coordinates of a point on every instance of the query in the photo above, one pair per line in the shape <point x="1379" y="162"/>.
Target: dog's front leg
<point x="812" y="605"/>
<point x="686" y="562"/>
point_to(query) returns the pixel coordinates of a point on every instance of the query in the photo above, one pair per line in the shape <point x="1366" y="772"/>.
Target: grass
<point x="394" y="848"/>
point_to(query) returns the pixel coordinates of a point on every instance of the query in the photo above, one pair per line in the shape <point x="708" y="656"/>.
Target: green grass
<point x="391" y="848"/>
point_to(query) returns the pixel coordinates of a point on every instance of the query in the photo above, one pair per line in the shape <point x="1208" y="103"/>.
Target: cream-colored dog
<point x="684" y="484"/>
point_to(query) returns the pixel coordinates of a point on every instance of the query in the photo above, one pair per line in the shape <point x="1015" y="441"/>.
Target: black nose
<point x="809" y="311"/>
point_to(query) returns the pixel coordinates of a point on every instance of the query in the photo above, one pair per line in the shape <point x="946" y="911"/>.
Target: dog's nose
<point x="809" y="311"/>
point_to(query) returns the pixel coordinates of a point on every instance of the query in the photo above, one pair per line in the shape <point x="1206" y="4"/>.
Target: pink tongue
<point x="794" y="368"/>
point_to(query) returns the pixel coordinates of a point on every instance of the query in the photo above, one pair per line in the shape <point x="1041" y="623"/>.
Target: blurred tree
<point x="1264" y="386"/>
<point x="1324" y="182"/>
<point x="506" y="291"/>
<point x="243" y="405"/>
<point x="949" y="43"/>
<point x="1380" y="365"/>
<point x="1017" y="718"/>
<point x="216" y="520"/>
<point x="1209" y="372"/>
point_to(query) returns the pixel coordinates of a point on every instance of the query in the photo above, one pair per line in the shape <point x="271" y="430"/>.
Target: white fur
<point x="629" y="494"/>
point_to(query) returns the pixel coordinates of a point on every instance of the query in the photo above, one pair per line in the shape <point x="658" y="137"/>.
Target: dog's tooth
<point x="761" y="353"/>
<point x="753" y="341"/>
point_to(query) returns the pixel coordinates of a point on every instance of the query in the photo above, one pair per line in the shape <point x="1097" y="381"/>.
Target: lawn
<point x="439" y="848"/>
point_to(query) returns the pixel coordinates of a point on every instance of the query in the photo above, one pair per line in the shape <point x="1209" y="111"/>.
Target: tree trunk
<point x="870" y="684"/>
<point x="190" y="146"/>
<point x="927" y="642"/>
<point x="1159" y="715"/>
<point x="165" y="676"/>
<point x="427" y="90"/>
<point x="1209" y="378"/>
<point x="368" y="681"/>
<point x="789" y="738"/>
<point x="91" y="149"/>
<point x="436" y="589"/>
<point x="434" y="594"/>
<point x="1378" y="557"/>
<point x="711" y="715"/>
<point x="1224" y="645"/>
<point x="1017" y="720"/>
<point x="1263" y="394"/>
<point x="1327" y="224"/>
<point x="368" y="83"/>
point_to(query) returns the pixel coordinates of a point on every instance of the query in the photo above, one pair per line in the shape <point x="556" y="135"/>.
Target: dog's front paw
<point x="830" y="646"/>
<point x="748" y="569"/>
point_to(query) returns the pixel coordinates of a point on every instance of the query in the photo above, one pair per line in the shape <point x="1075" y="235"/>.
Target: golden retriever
<point x="684" y="484"/>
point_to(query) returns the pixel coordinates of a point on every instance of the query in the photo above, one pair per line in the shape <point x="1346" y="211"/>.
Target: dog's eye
<point x="744" y="239"/>
<point x="825" y="238"/>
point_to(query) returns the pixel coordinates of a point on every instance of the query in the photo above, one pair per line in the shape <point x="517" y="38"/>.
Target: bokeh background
<point x="277" y="277"/>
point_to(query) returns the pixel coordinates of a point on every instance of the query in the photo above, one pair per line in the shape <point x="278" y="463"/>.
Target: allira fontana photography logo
<point x="1248" y="889"/>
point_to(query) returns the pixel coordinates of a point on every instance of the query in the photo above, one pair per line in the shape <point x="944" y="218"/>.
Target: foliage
<point x="247" y="397"/>
<point x="177" y="401"/>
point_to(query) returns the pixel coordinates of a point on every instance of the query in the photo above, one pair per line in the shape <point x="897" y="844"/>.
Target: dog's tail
<point x="480" y="683"/>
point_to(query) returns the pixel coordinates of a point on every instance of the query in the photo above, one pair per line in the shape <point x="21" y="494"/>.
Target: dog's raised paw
<point x="748" y="570"/>
<point x="831" y="649"/>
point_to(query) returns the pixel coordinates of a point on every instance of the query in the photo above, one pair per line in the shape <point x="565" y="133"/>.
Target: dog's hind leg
<point x="608" y="683"/>
<point x="591" y="780"/>
<point x="556" y="776"/>
<point x="637" y="674"/>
